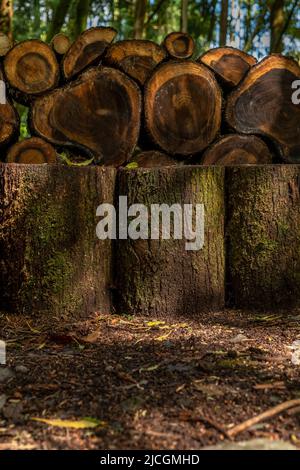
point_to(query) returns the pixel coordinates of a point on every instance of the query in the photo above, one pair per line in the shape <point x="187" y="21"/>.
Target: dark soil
<point x="173" y="385"/>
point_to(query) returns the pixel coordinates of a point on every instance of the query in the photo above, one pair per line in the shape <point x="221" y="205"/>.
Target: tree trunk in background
<point x="6" y="15"/>
<point x="263" y="236"/>
<point x="51" y="260"/>
<point x="139" y="18"/>
<point x="212" y="23"/>
<point x="58" y="17"/>
<point x="82" y="12"/>
<point x="184" y="16"/>
<point x="223" y="22"/>
<point x="277" y="22"/>
<point x="160" y="277"/>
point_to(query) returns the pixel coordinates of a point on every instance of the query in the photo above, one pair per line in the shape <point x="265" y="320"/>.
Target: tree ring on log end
<point x="229" y="64"/>
<point x="99" y="112"/>
<point x="179" y="45"/>
<point x="262" y="104"/>
<point x="31" y="151"/>
<point x="31" y="67"/>
<point x="237" y="149"/>
<point x="183" y="107"/>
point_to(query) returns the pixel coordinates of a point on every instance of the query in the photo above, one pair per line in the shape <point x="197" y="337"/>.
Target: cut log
<point x="31" y="69"/>
<point x="137" y="58"/>
<point x="237" y="149"/>
<point x="87" y="50"/>
<point x="179" y="45"/>
<point x="182" y="107"/>
<point x="263" y="242"/>
<point x="153" y="158"/>
<point x="33" y="150"/>
<point x="161" y="277"/>
<point x="98" y="113"/>
<point x="229" y="64"/>
<point x="61" y="44"/>
<point x="9" y="124"/>
<point x="5" y="44"/>
<point x="50" y="258"/>
<point x="263" y="104"/>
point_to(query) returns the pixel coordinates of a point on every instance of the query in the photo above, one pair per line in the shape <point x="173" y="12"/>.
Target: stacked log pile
<point x="112" y="100"/>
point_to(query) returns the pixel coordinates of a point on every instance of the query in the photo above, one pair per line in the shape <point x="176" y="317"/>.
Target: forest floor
<point x="147" y="384"/>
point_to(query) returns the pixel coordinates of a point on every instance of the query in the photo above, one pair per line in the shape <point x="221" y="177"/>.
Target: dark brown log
<point x="9" y="122"/>
<point x="262" y="104"/>
<point x="5" y="44"/>
<point x="33" y="150"/>
<point x="153" y="158"/>
<point x="179" y="45"/>
<point x="31" y="69"/>
<point x="237" y="149"/>
<point x="160" y="277"/>
<point x="87" y="50"/>
<point x="137" y="58"/>
<point x="263" y="236"/>
<point x="50" y="258"/>
<point x="182" y="107"/>
<point x="60" y="43"/>
<point x="99" y="112"/>
<point x="229" y="64"/>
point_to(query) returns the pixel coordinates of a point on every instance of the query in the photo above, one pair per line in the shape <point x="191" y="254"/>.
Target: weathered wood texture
<point x="50" y="258"/>
<point x="33" y="150"/>
<point x="98" y="113"/>
<point x="182" y="107"/>
<point x="237" y="149"/>
<point x="160" y="277"/>
<point x="263" y="237"/>
<point x="262" y="104"/>
<point x="229" y="64"/>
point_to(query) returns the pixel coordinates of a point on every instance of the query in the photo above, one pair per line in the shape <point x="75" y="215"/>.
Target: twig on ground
<point x="232" y="432"/>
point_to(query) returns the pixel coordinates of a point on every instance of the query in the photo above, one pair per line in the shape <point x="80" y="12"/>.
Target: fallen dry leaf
<point x="84" y="423"/>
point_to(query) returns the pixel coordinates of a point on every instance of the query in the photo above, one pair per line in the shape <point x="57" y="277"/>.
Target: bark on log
<point x="179" y="45"/>
<point x="182" y="107"/>
<point x="229" y="64"/>
<point x="263" y="104"/>
<point x="31" y="69"/>
<point x="61" y="44"/>
<point x="5" y="44"/>
<point x="137" y="58"/>
<point x="33" y="150"/>
<point x="87" y="50"/>
<point x="263" y="239"/>
<point x="9" y="125"/>
<point x="237" y="149"/>
<point x="50" y="258"/>
<point x="153" y="158"/>
<point x="98" y="113"/>
<point x="160" y="277"/>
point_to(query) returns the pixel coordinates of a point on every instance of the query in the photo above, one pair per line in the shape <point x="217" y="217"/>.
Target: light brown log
<point x="9" y="125"/>
<point x="262" y="104"/>
<point x="137" y="58"/>
<point x="183" y="104"/>
<point x="31" y="69"/>
<point x="87" y="50"/>
<point x="60" y="43"/>
<point x="5" y="44"/>
<point x="237" y="149"/>
<point x="229" y="64"/>
<point x="179" y="45"/>
<point x="98" y="113"/>
<point x="33" y="150"/>
<point x="153" y="158"/>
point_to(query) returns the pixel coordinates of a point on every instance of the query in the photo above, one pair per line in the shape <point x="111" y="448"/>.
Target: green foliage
<point x="248" y="21"/>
